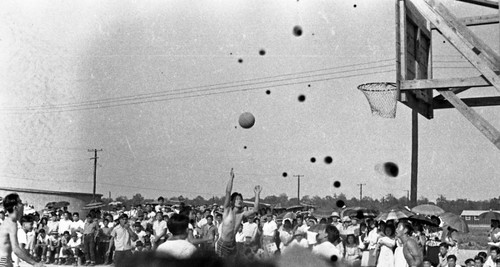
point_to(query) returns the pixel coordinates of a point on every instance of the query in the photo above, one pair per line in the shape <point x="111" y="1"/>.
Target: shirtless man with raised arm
<point x="232" y="217"/>
<point x="8" y="233"/>
<point x="412" y="252"/>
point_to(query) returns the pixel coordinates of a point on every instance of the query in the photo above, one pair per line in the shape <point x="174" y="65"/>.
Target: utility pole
<point x="95" y="168"/>
<point x="361" y="192"/>
<point x="298" y="187"/>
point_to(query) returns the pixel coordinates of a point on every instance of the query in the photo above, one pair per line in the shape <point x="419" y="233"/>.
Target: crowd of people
<point x="232" y="230"/>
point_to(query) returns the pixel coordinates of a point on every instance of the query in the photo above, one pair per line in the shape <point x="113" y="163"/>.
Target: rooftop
<point x="48" y="192"/>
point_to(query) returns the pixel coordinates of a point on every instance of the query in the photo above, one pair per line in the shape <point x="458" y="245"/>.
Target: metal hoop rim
<point x="384" y="85"/>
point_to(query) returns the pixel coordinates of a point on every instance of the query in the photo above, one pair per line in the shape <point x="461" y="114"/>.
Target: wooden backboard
<point x="414" y="54"/>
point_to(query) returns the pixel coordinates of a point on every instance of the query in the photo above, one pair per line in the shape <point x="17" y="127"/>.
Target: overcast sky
<point x="159" y="87"/>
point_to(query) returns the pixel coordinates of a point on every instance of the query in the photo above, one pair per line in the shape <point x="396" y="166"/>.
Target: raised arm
<point x="229" y="189"/>
<point x="257" y="191"/>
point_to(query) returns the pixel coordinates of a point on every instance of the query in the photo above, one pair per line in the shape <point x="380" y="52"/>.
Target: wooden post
<point x="479" y="122"/>
<point x="398" y="49"/>
<point x="414" y="158"/>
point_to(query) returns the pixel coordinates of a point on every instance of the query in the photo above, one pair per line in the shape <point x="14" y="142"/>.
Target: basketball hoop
<point x="382" y="98"/>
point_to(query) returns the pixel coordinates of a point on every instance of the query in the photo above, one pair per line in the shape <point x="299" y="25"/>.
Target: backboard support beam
<point x="471" y="102"/>
<point x="479" y="122"/>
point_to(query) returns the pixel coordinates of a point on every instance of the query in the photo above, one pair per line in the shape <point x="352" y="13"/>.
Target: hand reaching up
<point x="257" y="189"/>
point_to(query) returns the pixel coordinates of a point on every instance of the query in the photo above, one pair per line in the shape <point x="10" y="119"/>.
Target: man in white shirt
<point x="250" y="229"/>
<point x="122" y="237"/>
<point x="64" y="224"/>
<point x="139" y="232"/>
<point x="77" y="225"/>
<point x="203" y="220"/>
<point x="177" y="246"/>
<point x="491" y="260"/>
<point x="150" y="214"/>
<point x="75" y="244"/>
<point x="269" y="230"/>
<point x="22" y="238"/>
<point x="53" y="224"/>
<point x="159" y="229"/>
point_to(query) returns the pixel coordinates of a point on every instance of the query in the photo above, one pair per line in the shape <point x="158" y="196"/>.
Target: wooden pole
<point x="479" y="122"/>
<point x="414" y="158"/>
<point x="398" y="50"/>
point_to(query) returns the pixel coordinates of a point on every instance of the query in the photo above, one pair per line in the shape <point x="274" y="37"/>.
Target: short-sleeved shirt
<point x="53" y="226"/>
<point x="64" y="225"/>
<point x="140" y="237"/>
<point x="269" y="228"/>
<point x="249" y="229"/>
<point x="121" y="238"/>
<point x="159" y="226"/>
<point x="76" y="225"/>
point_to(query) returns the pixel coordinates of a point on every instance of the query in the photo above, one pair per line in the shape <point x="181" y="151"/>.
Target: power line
<point x="58" y="162"/>
<point x="111" y="184"/>
<point x="203" y="87"/>
<point x="170" y="93"/>
<point x="157" y="189"/>
<point x="208" y="94"/>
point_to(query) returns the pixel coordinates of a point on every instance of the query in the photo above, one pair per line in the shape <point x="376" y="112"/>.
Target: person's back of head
<point x="10" y="202"/>
<point x="332" y="233"/>
<point x="178" y="224"/>
<point x="483" y="255"/>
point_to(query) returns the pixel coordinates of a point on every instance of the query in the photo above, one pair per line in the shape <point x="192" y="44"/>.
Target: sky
<point x="159" y="87"/>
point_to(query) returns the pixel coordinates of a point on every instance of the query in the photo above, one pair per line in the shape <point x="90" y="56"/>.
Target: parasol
<point x="454" y="221"/>
<point x="428" y="209"/>
<point x="93" y="205"/>
<point x="359" y="212"/>
<point x="394" y="214"/>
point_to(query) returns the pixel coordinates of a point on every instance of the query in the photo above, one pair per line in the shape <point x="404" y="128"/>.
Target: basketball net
<point x="382" y="98"/>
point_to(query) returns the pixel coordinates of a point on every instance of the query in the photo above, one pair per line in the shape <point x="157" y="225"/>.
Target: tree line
<point x="328" y="202"/>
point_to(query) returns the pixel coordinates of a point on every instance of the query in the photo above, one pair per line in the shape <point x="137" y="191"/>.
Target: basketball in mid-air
<point x="247" y="120"/>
